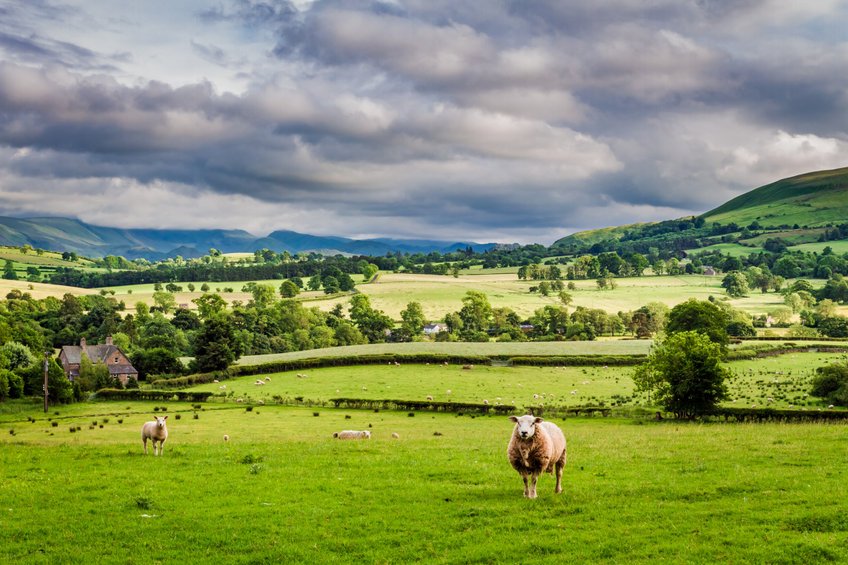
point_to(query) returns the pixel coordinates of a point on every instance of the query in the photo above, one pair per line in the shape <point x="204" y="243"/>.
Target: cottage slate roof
<point x="101" y="352"/>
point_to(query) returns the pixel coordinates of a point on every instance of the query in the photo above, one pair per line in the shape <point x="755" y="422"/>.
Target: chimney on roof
<point x="109" y="340"/>
<point x="82" y="342"/>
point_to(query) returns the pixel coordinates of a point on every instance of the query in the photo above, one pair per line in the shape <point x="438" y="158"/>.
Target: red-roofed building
<point x="107" y="353"/>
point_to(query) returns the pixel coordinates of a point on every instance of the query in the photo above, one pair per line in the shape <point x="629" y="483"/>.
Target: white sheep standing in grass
<point x="536" y="446"/>
<point x="157" y="431"/>
<point x="352" y="434"/>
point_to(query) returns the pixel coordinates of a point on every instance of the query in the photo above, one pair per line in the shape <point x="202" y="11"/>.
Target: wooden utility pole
<point x="46" y="358"/>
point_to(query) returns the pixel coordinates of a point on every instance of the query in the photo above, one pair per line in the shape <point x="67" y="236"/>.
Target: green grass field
<point x="732" y="249"/>
<point x="549" y="348"/>
<point x="780" y="382"/>
<point x="283" y="491"/>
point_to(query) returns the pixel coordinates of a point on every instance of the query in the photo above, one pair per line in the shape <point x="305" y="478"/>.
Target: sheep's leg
<point x="533" y="478"/>
<point x="526" y="488"/>
<point x="559" y="467"/>
<point x="162" y="447"/>
<point x="145" y="445"/>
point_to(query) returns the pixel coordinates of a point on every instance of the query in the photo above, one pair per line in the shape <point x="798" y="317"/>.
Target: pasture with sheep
<point x="635" y="491"/>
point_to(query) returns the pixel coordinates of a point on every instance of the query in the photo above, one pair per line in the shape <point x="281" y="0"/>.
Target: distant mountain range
<point x="66" y="234"/>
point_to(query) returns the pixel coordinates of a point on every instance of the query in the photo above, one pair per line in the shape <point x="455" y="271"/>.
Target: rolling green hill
<point x="812" y="199"/>
<point x="590" y="237"/>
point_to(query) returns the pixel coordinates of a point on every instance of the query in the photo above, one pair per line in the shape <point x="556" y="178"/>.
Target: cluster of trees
<point x="213" y="271"/>
<point x="683" y="372"/>
<point x="788" y="264"/>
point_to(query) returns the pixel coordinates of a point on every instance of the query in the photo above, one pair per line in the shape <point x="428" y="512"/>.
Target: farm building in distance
<point x="107" y="353"/>
<point x="433" y="329"/>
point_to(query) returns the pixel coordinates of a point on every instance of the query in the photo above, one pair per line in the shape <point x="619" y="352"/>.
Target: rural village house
<point x="433" y="329"/>
<point x="107" y="353"/>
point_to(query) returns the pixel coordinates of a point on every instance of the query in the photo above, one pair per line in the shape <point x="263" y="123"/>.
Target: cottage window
<point x="116" y="359"/>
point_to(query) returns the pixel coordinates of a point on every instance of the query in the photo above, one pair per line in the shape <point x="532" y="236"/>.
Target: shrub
<point x="831" y="383"/>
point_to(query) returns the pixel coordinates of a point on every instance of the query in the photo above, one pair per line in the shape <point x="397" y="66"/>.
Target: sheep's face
<point x="525" y="426"/>
<point x="160" y="421"/>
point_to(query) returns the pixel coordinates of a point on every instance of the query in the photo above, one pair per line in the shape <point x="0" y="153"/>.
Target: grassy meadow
<point x="782" y="381"/>
<point x="283" y="491"/>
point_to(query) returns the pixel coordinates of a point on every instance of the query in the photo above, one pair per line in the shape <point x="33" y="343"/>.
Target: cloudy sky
<point x="512" y="120"/>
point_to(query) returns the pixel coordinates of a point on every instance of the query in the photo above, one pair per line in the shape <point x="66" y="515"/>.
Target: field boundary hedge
<point x="139" y="394"/>
<point x="422" y="405"/>
<point x="775" y="414"/>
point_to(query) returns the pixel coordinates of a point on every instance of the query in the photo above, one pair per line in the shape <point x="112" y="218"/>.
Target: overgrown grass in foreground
<point x="282" y="490"/>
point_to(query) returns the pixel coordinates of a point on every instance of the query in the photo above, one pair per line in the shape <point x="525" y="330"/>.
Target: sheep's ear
<point x="538" y="420"/>
<point x="513" y="419"/>
<point x="165" y="418"/>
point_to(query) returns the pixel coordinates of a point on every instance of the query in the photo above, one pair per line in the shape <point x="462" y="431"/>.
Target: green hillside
<point x="590" y="237"/>
<point x="811" y="199"/>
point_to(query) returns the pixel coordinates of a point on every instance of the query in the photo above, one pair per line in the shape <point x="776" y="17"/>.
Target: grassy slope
<point x="589" y="237"/>
<point x="811" y="199"/>
<point x="282" y="490"/>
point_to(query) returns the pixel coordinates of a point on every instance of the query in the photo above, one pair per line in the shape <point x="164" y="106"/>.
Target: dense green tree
<point x="831" y="383"/>
<point x="476" y="311"/>
<point x="373" y="324"/>
<point x="700" y="316"/>
<point x="736" y="284"/>
<point x="9" y="272"/>
<point x="156" y="361"/>
<point x="413" y="319"/>
<point x="216" y="346"/>
<point x="263" y="295"/>
<point x="59" y="387"/>
<point x="185" y="319"/>
<point x="836" y="326"/>
<point x="289" y="289"/>
<point x="14" y="356"/>
<point x="165" y="301"/>
<point x="210" y="305"/>
<point x="684" y="374"/>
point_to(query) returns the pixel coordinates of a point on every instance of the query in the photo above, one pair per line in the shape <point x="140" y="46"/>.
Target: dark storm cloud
<point x="478" y="117"/>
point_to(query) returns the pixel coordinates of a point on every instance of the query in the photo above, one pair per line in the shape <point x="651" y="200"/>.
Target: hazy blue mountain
<point x="66" y="234"/>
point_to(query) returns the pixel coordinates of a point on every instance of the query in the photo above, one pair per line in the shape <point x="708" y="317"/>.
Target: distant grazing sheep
<point x="352" y="434"/>
<point x="536" y="446"/>
<point x="267" y="379"/>
<point x="156" y="431"/>
<point x="239" y="400"/>
<point x="222" y="387"/>
<point x="226" y="437"/>
<point x="468" y="367"/>
<point x="395" y="435"/>
<point x="429" y="397"/>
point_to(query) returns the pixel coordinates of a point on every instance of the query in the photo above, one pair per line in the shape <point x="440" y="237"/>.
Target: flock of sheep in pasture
<point x="535" y="446"/>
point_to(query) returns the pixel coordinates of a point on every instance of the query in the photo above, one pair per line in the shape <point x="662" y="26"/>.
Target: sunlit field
<point x="282" y="490"/>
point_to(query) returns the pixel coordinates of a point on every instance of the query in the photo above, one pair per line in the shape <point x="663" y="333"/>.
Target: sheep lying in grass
<point x="352" y="434"/>
<point x="156" y="431"/>
<point x="535" y="447"/>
